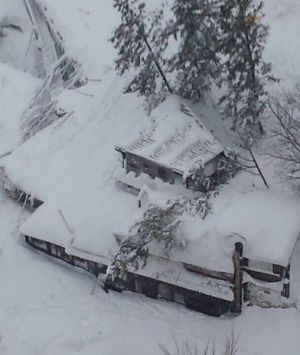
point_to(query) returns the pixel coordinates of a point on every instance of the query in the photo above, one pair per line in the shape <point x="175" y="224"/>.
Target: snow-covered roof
<point x="266" y="223"/>
<point x="176" y="274"/>
<point x="269" y="222"/>
<point x="88" y="227"/>
<point x="86" y="238"/>
<point x="36" y="226"/>
<point x="177" y="139"/>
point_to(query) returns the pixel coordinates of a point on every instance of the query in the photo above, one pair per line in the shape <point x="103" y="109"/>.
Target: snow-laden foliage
<point x="227" y="168"/>
<point x="196" y="61"/>
<point x="159" y="224"/>
<point x="243" y="36"/>
<point x="212" y="37"/>
<point x="140" y="43"/>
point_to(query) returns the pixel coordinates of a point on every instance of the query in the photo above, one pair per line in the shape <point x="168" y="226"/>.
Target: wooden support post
<point x="286" y="283"/>
<point x="123" y="159"/>
<point x="236" y="306"/>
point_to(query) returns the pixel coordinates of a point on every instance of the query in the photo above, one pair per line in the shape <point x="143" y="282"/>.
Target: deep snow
<point x="47" y="307"/>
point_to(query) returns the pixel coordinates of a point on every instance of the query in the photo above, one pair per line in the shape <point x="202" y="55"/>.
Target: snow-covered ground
<point x="49" y="308"/>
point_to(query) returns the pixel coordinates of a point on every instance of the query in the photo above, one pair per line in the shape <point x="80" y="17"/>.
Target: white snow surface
<point x="15" y="95"/>
<point x="269" y="223"/>
<point x="17" y="47"/>
<point x="49" y="308"/>
<point x="282" y="48"/>
<point x="265" y="222"/>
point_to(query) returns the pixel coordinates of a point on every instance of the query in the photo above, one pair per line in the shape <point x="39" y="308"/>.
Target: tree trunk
<point x="236" y="306"/>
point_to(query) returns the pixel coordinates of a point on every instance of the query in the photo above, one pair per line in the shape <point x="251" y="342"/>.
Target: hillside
<point x="47" y="307"/>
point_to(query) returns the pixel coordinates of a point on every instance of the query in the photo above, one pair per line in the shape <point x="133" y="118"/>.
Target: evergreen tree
<point x="245" y="72"/>
<point x="157" y="224"/>
<point x="140" y="44"/>
<point x="196" y="61"/>
<point x="160" y="225"/>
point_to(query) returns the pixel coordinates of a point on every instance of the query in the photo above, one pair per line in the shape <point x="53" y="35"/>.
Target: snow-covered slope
<point x="48" y="308"/>
<point x="16" y="90"/>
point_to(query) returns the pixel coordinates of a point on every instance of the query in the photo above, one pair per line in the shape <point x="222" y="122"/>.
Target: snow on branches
<point x="197" y="61"/>
<point x="286" y="149"/>
<point x="160" y="225"/>
<point x="243" y="36"/>
<point x="201" y="43"/>
<point x="140" y="43"/>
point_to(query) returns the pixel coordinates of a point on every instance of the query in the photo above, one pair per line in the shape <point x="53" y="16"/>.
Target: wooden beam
<point x="219" y="275"/>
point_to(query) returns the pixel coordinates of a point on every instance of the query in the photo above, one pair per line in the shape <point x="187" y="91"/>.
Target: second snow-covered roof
<point x="176" y="139"/>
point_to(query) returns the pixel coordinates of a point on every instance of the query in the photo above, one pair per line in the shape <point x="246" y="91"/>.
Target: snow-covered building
<point x="243" y="245"/>
<point x="176" y="146"/>
<point x="76" y="221"/>
<point x="66" y="174"/>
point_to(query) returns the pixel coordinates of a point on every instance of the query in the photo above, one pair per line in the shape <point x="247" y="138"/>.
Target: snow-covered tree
<point x="286" y="146"/>
<point x="158" y="224"/>
<point x="196" y="61"/>
<point x="140" y="44"/>
<point x="245" y="73"/>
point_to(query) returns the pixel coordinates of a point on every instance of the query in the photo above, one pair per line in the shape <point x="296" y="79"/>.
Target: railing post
<point x="236" y="306"/>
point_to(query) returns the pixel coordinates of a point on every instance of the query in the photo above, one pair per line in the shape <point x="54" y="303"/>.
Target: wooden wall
<point x="137" y="283"/>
